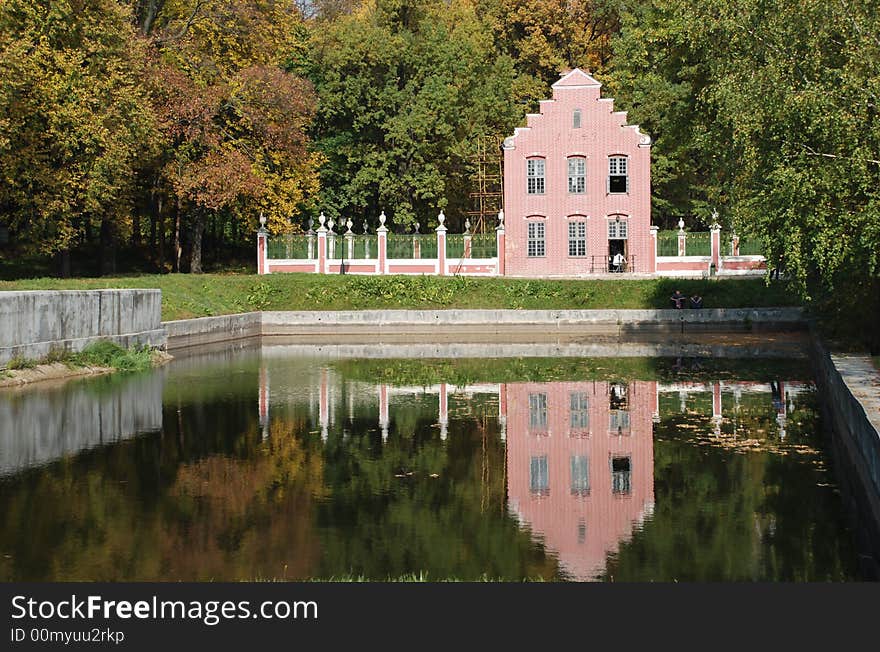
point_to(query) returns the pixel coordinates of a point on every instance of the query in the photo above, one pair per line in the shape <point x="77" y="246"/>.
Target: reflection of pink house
<point x="577" y="187"/>
<point x="580" y="465"/>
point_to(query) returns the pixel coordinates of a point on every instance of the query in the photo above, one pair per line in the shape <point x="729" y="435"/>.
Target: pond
<point x="289" y="462"/>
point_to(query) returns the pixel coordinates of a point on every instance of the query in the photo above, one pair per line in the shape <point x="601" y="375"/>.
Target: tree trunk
<point x="161" y="237"/>
<point x="62" y="263"/>
<point x="177" y="248"/>
<point x="108" y="248"/>
<point x="195" y="256"/>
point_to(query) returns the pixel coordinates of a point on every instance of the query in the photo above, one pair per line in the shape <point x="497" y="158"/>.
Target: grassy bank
<point x="185" y="295"/>
<point x="101" y="354"/>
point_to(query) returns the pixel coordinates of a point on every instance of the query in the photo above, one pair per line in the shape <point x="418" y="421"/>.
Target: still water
<point x="266" y="463"/>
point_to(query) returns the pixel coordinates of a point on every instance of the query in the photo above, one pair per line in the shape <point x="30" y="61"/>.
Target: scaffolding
<point x="487" y="183"/>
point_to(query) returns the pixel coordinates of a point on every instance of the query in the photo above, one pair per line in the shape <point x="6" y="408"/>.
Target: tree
<point x="404" y="88"/>
<point x="73" y="123"/>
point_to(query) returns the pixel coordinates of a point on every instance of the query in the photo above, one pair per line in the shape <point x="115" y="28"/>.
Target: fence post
<point x="441" y="244"/>
<point x="417" y="246"/>
<point x="262" y="245"/>
<point x="467" y="238"/>
<point x="366" y="240"/>
<point x="349" y="239"/>
<point x="715" y="244"/>
<point x="681" y="238"/>
<point x="499" y="243"/>
<point x="322" y="245"/>
<point x="331" y="240"/>
<point x="652" y="265"/>
<point x="310" y="240"/>
<point x="382" y="236"/>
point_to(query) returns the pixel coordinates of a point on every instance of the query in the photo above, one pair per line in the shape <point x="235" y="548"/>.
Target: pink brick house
<point x="577" y="187"/>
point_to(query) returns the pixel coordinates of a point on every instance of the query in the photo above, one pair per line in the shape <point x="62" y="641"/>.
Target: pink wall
<point x="551" y="135"/>
<point x="581" y="529"/>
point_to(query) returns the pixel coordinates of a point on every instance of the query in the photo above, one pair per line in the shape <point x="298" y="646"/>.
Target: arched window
<point x="577" y="175"/>
<point x="576" y="119"/>
<point x="535" y="176"/>
<point x="536" y="244"/>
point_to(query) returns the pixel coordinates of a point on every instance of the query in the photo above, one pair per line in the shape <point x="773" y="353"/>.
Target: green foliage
<point x="404" y="88"/>
<point x="185" y="296"/>
<point x="110" y="354"/>
<point x="767" y="110"/>
<point x="20" y="362"/>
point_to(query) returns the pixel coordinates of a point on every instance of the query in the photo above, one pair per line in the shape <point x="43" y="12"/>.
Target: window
<point x="535" y="176"/>
<point x="580" y="475"/>
<point x="576" y="119"/>
<point x="579" y="412"/>
<point x="617" y="174"/>
<point x="538" y="411"/>
<point x="577" y="238"/>
<point x="536" y="240"/>
<point x="539" y="476"/>
<point x="621" y="475"/>
<point x="618" y="421"/>
<point x="577" y="175"/>
<point x="617" y="229"/>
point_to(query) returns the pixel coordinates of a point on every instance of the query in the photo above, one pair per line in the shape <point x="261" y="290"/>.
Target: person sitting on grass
<point x="677" y="299"/>
<point x="696" y="301"/>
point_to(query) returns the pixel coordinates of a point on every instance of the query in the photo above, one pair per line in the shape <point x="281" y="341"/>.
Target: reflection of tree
<point x="389" y="516"/>
<point x="764" y="514"/>
<point x="221" y="505"/>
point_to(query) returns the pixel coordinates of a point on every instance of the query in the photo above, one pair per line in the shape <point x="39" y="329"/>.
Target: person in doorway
<point x="619" y="262"/>
<point x="677" y="299"/>
<point x="696" y="301"/>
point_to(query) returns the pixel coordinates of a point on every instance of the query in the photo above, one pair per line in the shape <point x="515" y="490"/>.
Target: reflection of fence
<point x="698" y="243"/>
<point x="292" y="246"/>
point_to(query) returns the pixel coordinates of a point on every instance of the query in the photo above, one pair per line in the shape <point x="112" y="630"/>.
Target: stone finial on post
<point x="382" y="233"/>
<point x="682" y="236"/>
<point x="322" y="245"/>
<point x="467" y="238"/>
<point x="715" y="242"/>
<point x="499" y="243"/>
<point x="441" y="243"/>
<point x="262" y="246"/>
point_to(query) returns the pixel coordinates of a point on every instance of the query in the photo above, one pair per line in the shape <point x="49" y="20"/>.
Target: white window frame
<point x="579" y="477"/>
<point x="618" y="166"/>
<point x="577" y="175"/>
<point x="578" y="411"/>
<point x="577" y="238"/>
<point x="536" y="246"/>
<point x="618" y="229"/>
<point x="538" y="411"/>
<point x="536" y="170"/>
<point x="576" y="118"/>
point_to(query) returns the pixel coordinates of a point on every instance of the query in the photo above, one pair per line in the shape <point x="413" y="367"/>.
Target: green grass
<point x="185" y="295"/>
<point x="99" y="354"/>
<point x="467" y="371"/>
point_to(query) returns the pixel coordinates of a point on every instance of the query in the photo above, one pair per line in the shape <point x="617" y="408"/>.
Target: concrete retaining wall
<point x="211" y="330"/>
<point x="851" y="411"/>
<point x="459" y="322"/>
<point x="34" y="322"/>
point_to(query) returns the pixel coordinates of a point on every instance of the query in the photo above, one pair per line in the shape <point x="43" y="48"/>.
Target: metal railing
<point x="698" y="243"/>
<point x="749" y="246"/>
<point x="300" y="247"/>
<point x="605" y="265"/>
<point x="411" y="246"/>
<point x="667" y="243"/>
